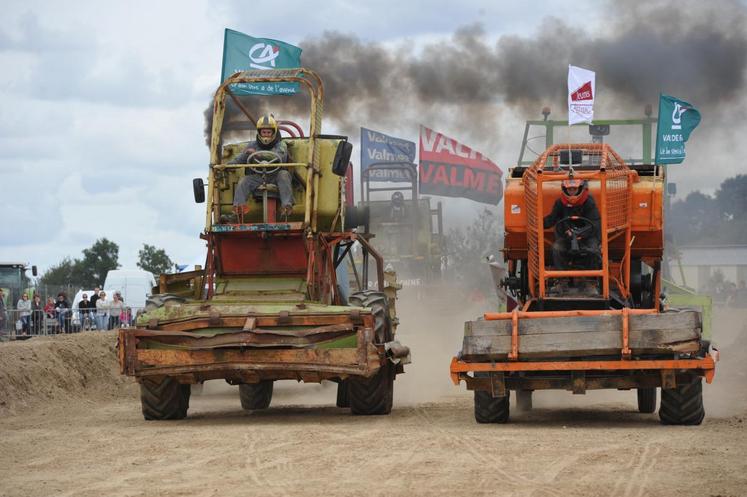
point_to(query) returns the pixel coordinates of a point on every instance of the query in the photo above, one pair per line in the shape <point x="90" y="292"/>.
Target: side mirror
<point x="198" y="186"/>
<point x="342" y="158"/>
<point x="34" y="270"/>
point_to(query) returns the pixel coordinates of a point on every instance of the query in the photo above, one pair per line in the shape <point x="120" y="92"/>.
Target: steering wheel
<point x="574" y="227"/>
<point x="270" y="157"/>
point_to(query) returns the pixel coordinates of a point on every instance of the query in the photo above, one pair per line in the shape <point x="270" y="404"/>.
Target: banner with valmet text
<point x="450" y="169"/>
<point x="377" y="148"/>
<point x="243" y="53"/>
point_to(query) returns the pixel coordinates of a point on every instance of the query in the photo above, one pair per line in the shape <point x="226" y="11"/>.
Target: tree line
<point x="89" y="271"/>
<point x="719" y="219"/>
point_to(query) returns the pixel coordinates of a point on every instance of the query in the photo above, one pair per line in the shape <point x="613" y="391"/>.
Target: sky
<point x="101" y="105"/>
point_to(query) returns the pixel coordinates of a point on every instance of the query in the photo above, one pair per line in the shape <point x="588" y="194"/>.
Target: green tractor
<point x="409" y="231"/>
<point x="274" y="301"/>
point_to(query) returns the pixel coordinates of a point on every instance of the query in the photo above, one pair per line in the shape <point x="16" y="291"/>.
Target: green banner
<point x="243" y="53"/>
<point x="677" y="119"/>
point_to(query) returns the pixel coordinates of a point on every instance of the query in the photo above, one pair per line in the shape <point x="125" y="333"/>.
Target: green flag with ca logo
<point x="243" y="53"/>
<point x="677" y="119"/>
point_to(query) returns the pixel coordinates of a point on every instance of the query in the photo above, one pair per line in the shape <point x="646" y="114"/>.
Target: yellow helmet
<point x="267" y="122"/>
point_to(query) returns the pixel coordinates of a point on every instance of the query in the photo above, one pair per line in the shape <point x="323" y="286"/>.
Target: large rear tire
<point x="682" y="405"/>
<point x="164" y="400"/>
<point x="647" y="400"/>
<point x="374" y="395"/>
<point x="489" y="409"/>
<point x="255" y="396"/>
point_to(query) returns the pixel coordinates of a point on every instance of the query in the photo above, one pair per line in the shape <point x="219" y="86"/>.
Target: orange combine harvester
<point x="576" y="327"/>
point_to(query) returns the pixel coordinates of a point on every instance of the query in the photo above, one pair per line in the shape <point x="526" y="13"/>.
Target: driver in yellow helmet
<point x="268" y="139"/>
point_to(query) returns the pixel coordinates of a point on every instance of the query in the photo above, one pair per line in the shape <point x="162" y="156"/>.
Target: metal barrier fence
<point x="18" y="324"/>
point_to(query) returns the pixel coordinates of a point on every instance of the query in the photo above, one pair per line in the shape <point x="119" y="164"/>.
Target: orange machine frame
<point x="615" y="184"/>
<point x="615" y="209"/>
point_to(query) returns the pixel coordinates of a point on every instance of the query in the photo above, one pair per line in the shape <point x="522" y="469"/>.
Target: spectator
<point x="3" y="314"/>
<point x="24" y="313"/>
<point x="95" y="297"/>
<point x="102" y="308"/>
<point x="84" y="312"/>
<point x="37" y="315"/>
<point x="116" y="307"/>
<point x="126" y="316"/>
<point x="62" y="307"/>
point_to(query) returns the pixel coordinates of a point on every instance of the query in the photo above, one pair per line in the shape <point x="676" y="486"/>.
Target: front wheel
<point x="647" y="400"/>
<point x="256" y="396"/>
<point x="343" y="396"/>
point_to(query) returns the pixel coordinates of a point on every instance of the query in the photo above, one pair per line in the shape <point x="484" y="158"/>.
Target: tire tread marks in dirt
<point x="489" y="409"/>
<point x="682" y="405"/>
<point x="256" y="396"/>
<point x="163" y="400"/>
<point x="374" y="395"/>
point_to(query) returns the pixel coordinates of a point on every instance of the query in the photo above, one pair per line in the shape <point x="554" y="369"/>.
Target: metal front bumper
<point x="245" y="356"/>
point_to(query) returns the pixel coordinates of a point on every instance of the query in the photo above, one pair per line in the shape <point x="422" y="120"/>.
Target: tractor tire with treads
<point x="489" y="409"/>
<point x="255" y="396"/>
<point x="343" y="396"/>
<point x="647" y="400"/>
<point x="682" y="405"/>
<point x="374" y="395"/>
<point x="164" y="400"/>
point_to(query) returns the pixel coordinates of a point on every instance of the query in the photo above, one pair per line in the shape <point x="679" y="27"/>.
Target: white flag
<point x="581" y="91"/>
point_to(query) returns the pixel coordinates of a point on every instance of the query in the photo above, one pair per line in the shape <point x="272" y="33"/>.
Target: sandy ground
<point x="81" y="433"/>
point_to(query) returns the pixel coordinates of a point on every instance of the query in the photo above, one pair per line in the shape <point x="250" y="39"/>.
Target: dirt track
<point x="84" y="435"/>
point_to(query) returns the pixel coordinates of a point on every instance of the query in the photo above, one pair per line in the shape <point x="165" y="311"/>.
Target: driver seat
<point x="264" y="193"/>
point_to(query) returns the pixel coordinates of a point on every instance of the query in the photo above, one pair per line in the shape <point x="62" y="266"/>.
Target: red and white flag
<point x="450" y="169"/>
<point x="581" y="91"/>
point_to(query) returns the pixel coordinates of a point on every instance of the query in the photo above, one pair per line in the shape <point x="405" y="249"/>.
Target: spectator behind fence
<point x="94" y="298"/>
<point x="37" y="315"/>
<point x="24" y="313"/>
<point x="3" y="314"/>
<point x="84" y="312"/>
<point x="102" y="309"/>
<point x="62" y="307"/>
<point x="115" y="310"/>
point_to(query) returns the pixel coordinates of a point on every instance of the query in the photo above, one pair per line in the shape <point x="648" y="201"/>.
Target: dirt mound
<point x="58" y="369"/>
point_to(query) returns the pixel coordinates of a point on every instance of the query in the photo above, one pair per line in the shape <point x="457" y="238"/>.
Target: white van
<point x="134" y="285"/>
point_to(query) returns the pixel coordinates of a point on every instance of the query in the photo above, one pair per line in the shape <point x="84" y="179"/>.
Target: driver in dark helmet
<point x="268" y="140"/>
<point x="397" y="210"/>
<point x="574" y="201"/>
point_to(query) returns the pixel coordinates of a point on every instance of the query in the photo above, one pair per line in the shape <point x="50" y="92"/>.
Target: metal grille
<point x="530" y="201"/>
<point x="599" y="162"/>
